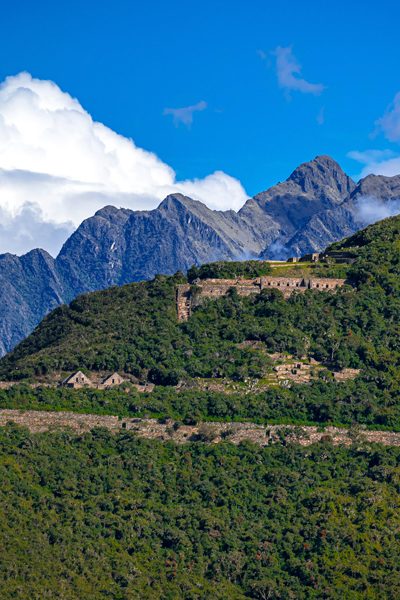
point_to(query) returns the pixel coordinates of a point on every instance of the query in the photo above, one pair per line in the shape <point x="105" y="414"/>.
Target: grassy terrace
<point x="309" y="269"/>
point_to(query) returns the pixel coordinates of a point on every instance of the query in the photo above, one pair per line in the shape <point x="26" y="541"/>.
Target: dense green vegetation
<point x="373" y="240"/>
<point x="248" y="269"/>
<point x="134" y="329"/>
<point x="353" y="402"/>
<point x="114" y="516"/>
<point x="103" y="516"/>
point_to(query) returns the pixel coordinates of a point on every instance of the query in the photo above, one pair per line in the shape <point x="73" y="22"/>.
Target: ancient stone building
<point x="77" y="380"/>
<point x="112" y="380"/>
<point x="346" y="374"/>
<point x="286" y="285"/>
<point x="340" y="257"/>
<point x="187" y="295"/>
<point x="214" y="288"/>
<point x="313" y="257"/>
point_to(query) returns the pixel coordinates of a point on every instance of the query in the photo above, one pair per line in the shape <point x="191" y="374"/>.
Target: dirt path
<point x="38" y="421"/>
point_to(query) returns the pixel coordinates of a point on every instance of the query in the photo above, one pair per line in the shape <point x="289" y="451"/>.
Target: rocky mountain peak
<point x="112" y="214"/>
<point x="378" y="186"/>
<point x="322" y="173"/>
<point x="179" y="201"/>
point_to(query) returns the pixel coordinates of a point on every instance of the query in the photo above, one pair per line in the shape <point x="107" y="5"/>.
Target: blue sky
<point x="129" y="62"/>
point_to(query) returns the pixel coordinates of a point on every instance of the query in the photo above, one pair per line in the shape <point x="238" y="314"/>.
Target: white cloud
<point x="185" y="115"/>
<point x="220" y="190"/>
<point x="370" y="209"/>
<point x="288" y="71"/>
<point x="382" y="162"/>
<point x="378" y="162"/>
<point x="59" y="165"/>
<point x="27" y="228"/>
<point x="389" y="124"/>
<point x="320" y="118"/>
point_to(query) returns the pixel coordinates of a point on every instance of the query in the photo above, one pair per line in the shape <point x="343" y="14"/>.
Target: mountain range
<point x="317" y="205"/>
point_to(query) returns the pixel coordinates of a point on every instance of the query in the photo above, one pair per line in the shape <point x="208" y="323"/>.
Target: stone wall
<point x="325" y="284"/>
<point x="286" y="285"/>
<point x="212" y="288"/>
<point x="216" y="288"/>
<point x="263" y="435"/>
<point x="183" y="301"/>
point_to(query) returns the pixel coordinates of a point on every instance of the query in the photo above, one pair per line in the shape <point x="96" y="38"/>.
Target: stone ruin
<point x="79" y="380"/>
<point x="215" y="288"/>
<point x="211" y="432"/>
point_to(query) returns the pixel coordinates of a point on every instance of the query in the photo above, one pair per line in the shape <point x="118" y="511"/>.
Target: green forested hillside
<point x="373" y="239"/>
<point x="135" y="329"/>
<point x="103" y="516"/>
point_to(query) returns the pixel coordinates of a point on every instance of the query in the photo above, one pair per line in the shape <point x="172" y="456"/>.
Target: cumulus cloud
<point x="288" y="71"/>
<point x="369" y="209"/>
<point x="185" y="115"/>
<point x="59" y="166"/>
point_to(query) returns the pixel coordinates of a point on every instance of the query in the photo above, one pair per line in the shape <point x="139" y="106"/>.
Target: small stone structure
<point x="313" y="257"/>
<point x="296" y="372"/>
<point x="183" y="301"/>
<point x="144" y="388"/>
<point x="77" y="380"/>
<point x="335" y="256"/>
<point x="215" y="288"/>
<point x="112" y="380"/>
<point x="346" y="374"/>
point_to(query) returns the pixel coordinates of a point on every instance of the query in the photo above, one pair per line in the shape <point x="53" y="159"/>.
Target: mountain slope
<point x="317" y="205"/>
<point x="312" y="189"/>
<point x="113" y="248"/>
<point x="134" y="329"/>
<point x="30" y="286"/>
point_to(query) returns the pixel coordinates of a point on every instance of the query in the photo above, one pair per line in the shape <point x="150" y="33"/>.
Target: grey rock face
<point x="30" y="286"/>
<point x="317" y="205"/>
<point x="304" y="205"/>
